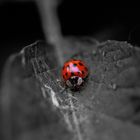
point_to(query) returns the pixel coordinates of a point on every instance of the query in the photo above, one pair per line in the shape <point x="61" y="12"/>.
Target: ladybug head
<point x="74" y="83"/>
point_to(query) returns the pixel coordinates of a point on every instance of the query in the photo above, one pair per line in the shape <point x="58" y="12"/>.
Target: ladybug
<point x="74" y="74"/>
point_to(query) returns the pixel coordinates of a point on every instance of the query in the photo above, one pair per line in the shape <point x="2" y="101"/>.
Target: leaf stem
<point x="51" y="25"/>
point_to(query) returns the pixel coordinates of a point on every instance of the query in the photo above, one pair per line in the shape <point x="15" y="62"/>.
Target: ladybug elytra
<point x="74" y="73"/>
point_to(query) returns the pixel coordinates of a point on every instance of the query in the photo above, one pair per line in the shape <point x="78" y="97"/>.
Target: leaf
<point x="33" y="105"/>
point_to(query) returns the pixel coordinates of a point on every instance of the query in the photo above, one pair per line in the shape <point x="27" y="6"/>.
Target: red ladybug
<point x="74" y="73"/>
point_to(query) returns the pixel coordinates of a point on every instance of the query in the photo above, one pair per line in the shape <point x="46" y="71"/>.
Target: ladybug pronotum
<point x="74" y="74"/>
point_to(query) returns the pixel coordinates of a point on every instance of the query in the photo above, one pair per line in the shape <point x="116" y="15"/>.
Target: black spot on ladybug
<point x="68" y="66"/>
<point x="83" y="72"/>
<point x="63" y="67"/>
<point x="72" y="73"/>
<point x="74" y="65"/>
<point x="78" y="72"/>
<point x="86" y="69"/>
<point x="66" y="74"/>
<point x="80" y="64"/>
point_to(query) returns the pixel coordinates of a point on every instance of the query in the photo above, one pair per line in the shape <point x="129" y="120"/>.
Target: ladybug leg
<point x="72" y="94"/>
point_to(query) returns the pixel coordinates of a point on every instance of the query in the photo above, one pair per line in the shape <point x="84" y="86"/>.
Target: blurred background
<point x="20" y="22"/>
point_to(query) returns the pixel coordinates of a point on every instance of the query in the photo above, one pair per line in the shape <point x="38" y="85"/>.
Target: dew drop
<point x="119" y="63"/>
<point x="103" y="53"/>
<point x="113" y="86"/>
